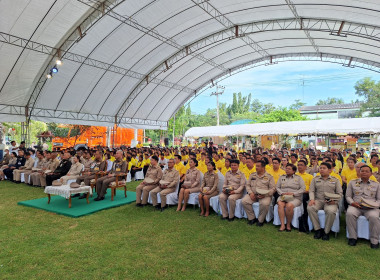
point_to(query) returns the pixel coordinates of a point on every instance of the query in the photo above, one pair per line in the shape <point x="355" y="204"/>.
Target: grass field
<point x="134" y="243"/>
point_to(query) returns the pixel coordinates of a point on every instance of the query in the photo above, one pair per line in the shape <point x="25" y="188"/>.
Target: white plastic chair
<point x="322" y="217"/>
<point x="193" y="197"/>
<point x="214" y="201"/>
<point x="171" y="198"/>
<point x="256" y="210"/>
<point x="139" y="175"/>
<point x="298" y="212"/>
<point x="363" y="228"/>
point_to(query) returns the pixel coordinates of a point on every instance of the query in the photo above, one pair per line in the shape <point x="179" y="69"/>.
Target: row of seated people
<point x="325" y="192"/>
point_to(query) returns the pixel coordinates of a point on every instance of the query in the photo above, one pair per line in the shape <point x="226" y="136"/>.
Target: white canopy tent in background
<point x="135" y="63"/>
<point x="315" y="127"/>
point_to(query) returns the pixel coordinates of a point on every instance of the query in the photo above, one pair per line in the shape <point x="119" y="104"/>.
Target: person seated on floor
<point x="167" y="185"/>
<point x="290" y="188"/>
<point x="321" y="188"/>
<point x="62" y="169"/>
<point x="192" y="184"/>
<point x="19" y="162"/>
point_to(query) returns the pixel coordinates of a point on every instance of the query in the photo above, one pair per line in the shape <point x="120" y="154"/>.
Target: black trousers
<point x="9" y="173"/>
<point x="133" y="171"/>
<point x="51" y="178"/>
<point x="305" y="199"/>
<point x="145" y="169"/>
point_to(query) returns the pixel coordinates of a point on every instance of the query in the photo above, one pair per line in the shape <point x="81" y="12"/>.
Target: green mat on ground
<point x="79" y="207"/>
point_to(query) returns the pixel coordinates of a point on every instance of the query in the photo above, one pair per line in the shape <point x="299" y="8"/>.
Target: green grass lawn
<point x="134" y="243"/>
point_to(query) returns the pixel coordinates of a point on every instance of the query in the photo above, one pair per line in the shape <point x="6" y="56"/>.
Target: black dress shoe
<point x="157" y="207"/>
<point x="352" y="242"/>
<point x="326" y="236"/>
<point x="17" y="182"/>
<point x="99" y="198"/>
<point x="252" y="222"/>
<point x="231" y="219"/>
<point x="318" y="234"/>
<point x="76" y="195"/>
<point x="138" y="204"/>
<point x="224" y="218"/>
<point x="259" y="224"/>
<point x="162" y="209"/>
<point x="83" y="196"/>
<point x="288" y="230"/>
<point x="374" y="246"/>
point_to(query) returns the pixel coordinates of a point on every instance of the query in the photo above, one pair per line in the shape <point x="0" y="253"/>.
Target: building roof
<point x="137" y="62"/>
<point x="241" y="122"/>
<point x="330" y="107"/>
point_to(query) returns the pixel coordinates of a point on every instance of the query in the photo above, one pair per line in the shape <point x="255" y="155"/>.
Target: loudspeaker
<point x="166" y="141"/>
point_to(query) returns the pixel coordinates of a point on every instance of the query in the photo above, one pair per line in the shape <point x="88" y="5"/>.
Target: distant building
<point x="333" y="111"/>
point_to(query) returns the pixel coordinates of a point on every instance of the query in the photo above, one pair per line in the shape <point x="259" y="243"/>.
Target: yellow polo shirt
<point x="276" y="174"/>
<point x="306" y="178"/>
<point x="180" y="168"/>
<point x="224" y="170"/>
<point x="219" y="164"/>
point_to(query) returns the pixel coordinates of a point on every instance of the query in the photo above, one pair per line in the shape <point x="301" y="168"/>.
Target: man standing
<point x="233" y="187"/>
<point x="319" y="187"/>
<point x="167" y="185"/>
<point x="259" y="182"/>
<point x="154" y="173"/>
<point x="62" y="169"/>
<point x="357" y="191"/>
<point x="118" y="166"/>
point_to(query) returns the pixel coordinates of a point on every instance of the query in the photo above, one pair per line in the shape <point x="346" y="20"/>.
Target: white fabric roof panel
<point x="315" y="127"/>
<point x="127" y="46"/>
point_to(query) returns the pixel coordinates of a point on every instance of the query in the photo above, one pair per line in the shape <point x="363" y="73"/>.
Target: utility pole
<point x="219" y="90"/>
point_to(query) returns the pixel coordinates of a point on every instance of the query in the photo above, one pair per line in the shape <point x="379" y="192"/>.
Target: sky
<point x="281" y="84"/>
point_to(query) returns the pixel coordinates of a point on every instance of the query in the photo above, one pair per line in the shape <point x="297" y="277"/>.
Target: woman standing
<point x="191" y="184"/>
<point x="209" y="188"/>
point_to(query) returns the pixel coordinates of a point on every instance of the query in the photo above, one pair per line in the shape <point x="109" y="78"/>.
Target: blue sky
<point x="281" y="84"/>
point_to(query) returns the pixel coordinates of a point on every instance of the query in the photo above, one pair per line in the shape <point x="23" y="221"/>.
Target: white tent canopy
<point x="137" y="62"/>
<point x="316" y="127"/>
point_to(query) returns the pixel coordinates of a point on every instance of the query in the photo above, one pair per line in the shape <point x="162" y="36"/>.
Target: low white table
<point x="66" y="192"/>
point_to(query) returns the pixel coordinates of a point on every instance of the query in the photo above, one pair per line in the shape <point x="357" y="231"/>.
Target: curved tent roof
<point x="137" y="62"/>
<point x="314" y="127"/>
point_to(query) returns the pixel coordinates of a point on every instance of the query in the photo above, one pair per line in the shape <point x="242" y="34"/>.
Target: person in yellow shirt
<point x="138" y="167"/>
<point x="276" y="171"/>
<point x="226" y="167"/>
<point x="146" y="163"/>
<point x="249" y="168"/>
<point x="349" y="172"/>
<point x="306" y="177"/>
<point x="373" y="163"/>
<point x="180" y="168"/>
<point x="345" y="156"/>
<point x="202" y="163"/>
<point x="242" y="164"/>
<point x="338" y="164"/>
<point x="218" y="163"/>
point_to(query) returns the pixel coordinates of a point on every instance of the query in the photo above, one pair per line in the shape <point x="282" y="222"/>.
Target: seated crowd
<point x="309" y="179"/>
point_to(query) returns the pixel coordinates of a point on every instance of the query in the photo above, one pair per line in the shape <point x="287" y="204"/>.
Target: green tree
<point x="261" y="108"/>
<point x="329" y="101"/>
<point x="297" y="104"/>
<point x="281" y="114"/>
<point x="370" y="91"/>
